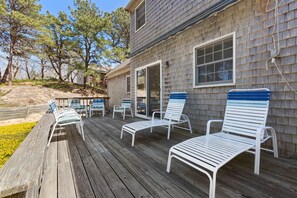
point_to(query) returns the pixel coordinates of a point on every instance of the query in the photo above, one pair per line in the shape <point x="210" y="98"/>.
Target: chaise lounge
<point x="172" y="117"/>
<point x="244" y="129"/>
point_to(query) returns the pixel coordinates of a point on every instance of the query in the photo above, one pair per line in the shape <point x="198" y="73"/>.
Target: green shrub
<point x="11" y="137"/>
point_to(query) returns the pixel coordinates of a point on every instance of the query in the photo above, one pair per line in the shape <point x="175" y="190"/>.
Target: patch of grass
<point x="11" y="137"/>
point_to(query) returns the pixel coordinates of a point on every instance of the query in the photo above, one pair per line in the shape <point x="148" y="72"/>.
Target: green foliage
<point x="88" y="25"/>
<point x="117" y="36"/>
<point x="11" y="137"/>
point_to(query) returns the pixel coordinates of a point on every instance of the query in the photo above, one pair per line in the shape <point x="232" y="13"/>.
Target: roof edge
<point x="132" y="5"/>
<point x="121" y="69"/>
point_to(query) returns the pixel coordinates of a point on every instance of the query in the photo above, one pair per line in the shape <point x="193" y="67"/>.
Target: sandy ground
<point x="30" y="118"/>
<point x="25" y="95"/>
<point x="31" y="95"/>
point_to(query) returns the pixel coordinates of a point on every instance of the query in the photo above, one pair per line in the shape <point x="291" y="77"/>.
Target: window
<point x="128" y="84"/>
<point x="140" y="15"/>
<point x="214" y="63"/>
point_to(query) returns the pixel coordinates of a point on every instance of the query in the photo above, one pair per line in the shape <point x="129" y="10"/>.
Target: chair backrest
<point x="246" y="111"/>
<point x="75" y="103"/>
<point x="175" y="105"/>
<point x="126" y="102"/>
<point x="54" y="108"/>
<point x="98" y="103"/>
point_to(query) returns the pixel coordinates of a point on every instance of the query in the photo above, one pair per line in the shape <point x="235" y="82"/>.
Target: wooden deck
<point x="106" y="166"/>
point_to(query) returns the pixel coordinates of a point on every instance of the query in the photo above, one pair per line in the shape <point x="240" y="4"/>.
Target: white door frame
<point x="159" y="62"/>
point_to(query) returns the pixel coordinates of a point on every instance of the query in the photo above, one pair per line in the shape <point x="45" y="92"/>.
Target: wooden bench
<point x="22" y="174"/>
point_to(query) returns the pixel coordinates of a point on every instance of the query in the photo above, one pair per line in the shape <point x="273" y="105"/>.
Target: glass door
<point x="141" y="92"/>
<point x="148" y="90"/>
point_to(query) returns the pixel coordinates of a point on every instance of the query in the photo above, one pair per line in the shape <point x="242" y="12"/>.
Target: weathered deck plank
<point x="106" y="166"/>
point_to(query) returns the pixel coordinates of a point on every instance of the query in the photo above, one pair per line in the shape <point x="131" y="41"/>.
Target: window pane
<point x="218" y="56"/>
<point x="202" y="79"/>
<point x="219" y="67"/>
<point x="229" y="65"/>
<point x="218" y="47"/>
<point x="209" y="50"/>
<point x="201" y="70"/>
<point x="210" y="68"/>
<point x="128" y="84"/>
<point x="200" y="52"/>
<point x="200" y="60"/>
<point x="140" y="15"/>
<point x="228" y="53"/>
<point x="219" y="76"/>
<point x="228" y="44"/>
<point x="210" y="77"/>
<point x="208" y="58"/>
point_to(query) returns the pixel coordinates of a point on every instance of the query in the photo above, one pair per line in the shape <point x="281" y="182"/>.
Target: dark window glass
<point x="128" y="84"/>
<point x="140" y="15"/>
<point x="215" y="62"/>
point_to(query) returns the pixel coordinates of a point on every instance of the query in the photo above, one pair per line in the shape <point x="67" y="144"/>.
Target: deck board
<point x="106" y="166"/>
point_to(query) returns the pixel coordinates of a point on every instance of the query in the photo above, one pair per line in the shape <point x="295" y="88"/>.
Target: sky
<point x="54" y="6"/>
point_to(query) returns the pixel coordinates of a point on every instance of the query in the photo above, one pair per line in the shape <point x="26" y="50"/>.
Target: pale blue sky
<point x="54" y="6"/>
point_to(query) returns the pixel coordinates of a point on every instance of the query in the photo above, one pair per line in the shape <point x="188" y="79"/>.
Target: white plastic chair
<point x="125" y="106"/>
<point x="244" y="129"/>
<point x="78" y="107"/>
<point x="63" y="118"/>
<point x="172" y="117"/>
<point x="97" y="105"/>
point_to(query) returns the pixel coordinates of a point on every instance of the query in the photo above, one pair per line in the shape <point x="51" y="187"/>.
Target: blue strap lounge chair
<point x="63" y="118"/>
<point x="172" y="116"/>
<point x="126" y="105"/>
<point x="97" y="105"/>
<point x="244" y="129"/>
<point x="78" y="107"/>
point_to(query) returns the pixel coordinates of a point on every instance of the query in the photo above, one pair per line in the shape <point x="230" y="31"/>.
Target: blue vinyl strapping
<point x="249" y="95"/>
<point x="181" y="95"/>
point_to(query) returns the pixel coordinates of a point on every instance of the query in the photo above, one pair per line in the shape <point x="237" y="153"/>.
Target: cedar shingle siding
<point x="253" y="42"/>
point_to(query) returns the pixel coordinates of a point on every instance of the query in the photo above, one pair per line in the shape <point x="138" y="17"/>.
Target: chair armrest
<point x="260" y="132"/>
<point x="208" y="125"/>
<point x="157" y="112"/>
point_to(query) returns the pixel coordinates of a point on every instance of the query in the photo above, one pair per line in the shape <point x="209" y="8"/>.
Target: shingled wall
<point x="253" y="41"/>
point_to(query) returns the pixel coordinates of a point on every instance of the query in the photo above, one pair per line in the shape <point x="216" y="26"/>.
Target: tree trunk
<point x="5" y="76"/>
<point x="27" y="69"/>
<point x="9" y="64"/>
<point x="42" y="62"/>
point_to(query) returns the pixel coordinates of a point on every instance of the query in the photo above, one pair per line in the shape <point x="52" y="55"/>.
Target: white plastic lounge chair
<point x="66" y="117"/>
<point x="172" y="117"/>
<point x="243" y="130"/>
<point x="125" y="105"/>
<point x="97" y="105"/>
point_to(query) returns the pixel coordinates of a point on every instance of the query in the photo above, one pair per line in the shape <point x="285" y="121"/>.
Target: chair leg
<point x="103" y="112"/>
<point x="52" y="133"/>
<point x="212" y="186"/>
<point x="168" y="135"/>
<point x="169" y="162"/>
<point x="113" y="114"/>
<point x="257" y="160"/>
<point x="151" y="129"/>
<point x="124" y="115"/>
<point x="122" y="133"/>
<point x="274" y="143"/>
<point x="82" y="130"/>
<point x="190" y="127"/>
<point x="131" y="112"/>
<point x="133" y="139"/>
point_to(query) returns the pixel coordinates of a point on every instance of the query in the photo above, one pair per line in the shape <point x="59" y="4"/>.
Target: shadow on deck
<point x="106" y="166"/>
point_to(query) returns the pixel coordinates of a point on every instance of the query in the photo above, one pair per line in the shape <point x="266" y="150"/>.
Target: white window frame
<point x="128" y="76"/>
<point x="218" y="84"/>
<point x="159" y="62"/>
<point x="136" y="30"/>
